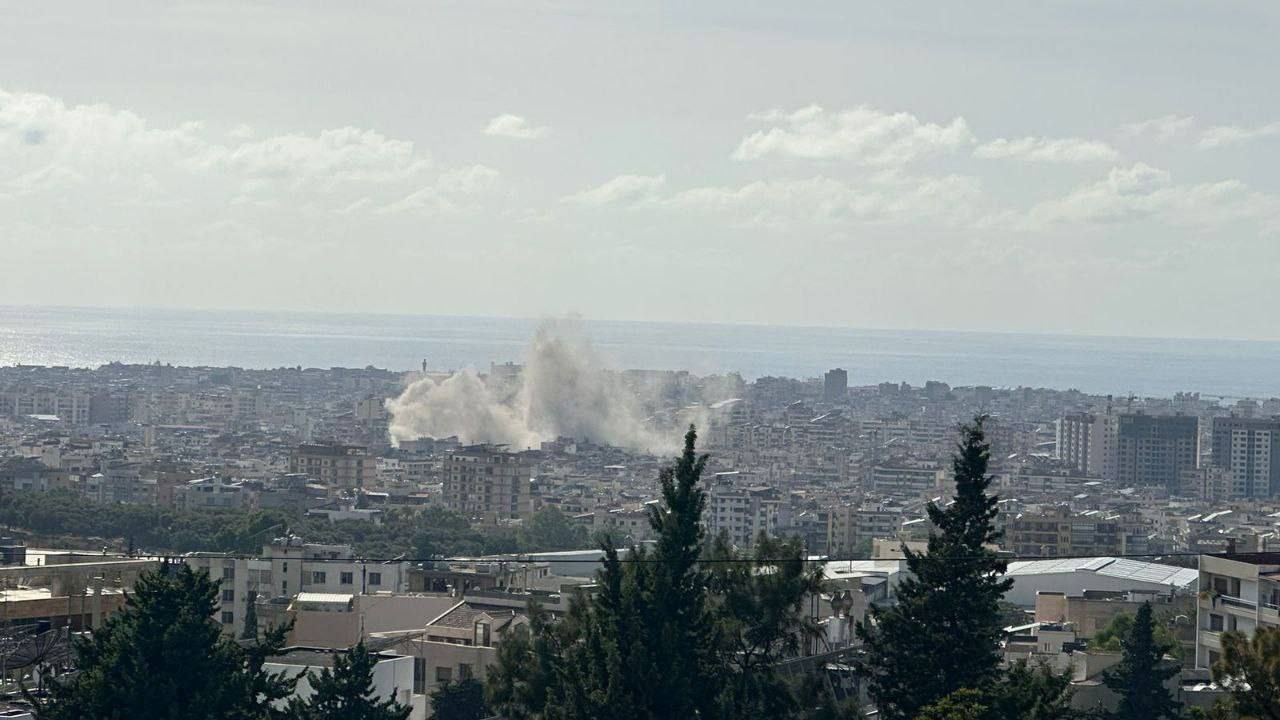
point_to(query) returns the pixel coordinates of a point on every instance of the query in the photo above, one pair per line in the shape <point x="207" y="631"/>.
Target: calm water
<point x="88" y="337"/>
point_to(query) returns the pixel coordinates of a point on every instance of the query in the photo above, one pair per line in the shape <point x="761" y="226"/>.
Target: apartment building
<point x="1238" y="592"/>
<point x="1057" y="532"/>
<point x="1087" y="443"/>
<point x="485" y="482"/>
<point x="1155" y="450"/>
<point x="906" y="481"/>
<point x="334" y="464"/>
<point x="69" y="405"/>
<point x="1247" y="450"/>
<point x="288" y="567"/>
<point x="743" y="513"/>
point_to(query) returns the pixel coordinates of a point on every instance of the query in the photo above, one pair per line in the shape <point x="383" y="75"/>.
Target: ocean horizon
<point x="88" y="337"/>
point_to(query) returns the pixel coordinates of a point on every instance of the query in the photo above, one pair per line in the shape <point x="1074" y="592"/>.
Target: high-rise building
<point x="835" y="385"/>
<point x="1248" y="449"/>
<point x="1087" y="443"/>
<point x="1154" y="450"/>
<point x="483" y="481"/>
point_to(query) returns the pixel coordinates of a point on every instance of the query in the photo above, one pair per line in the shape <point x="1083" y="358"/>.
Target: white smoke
<point x="564" y="390"/>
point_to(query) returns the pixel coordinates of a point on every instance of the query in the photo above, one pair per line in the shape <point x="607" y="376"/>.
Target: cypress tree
<point x="1140" y="676"/>
<point x="250" y="631"/>
<point x="941" y="636"/>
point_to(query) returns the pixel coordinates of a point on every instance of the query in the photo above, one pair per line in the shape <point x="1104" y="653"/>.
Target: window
<point x="228" y="595"/>
<point x="228" y="573"/>
<point x="345" y="578"/>
<point x="284" y="587"/>
<point x="1215" y="623"/>
<point x="419" y="675"/>
<point x="228" y="618"/>
<point x="375" y="578"/>
<point x="464" y="672"/>
<point x="444" y="674"/>
<point x="317" y="577"/>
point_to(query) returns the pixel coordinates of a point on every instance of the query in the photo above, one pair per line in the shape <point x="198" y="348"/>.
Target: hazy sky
<point x="1082" y="167"/>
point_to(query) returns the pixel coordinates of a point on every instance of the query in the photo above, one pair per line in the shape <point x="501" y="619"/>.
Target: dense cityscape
<point x="415" y="545"/>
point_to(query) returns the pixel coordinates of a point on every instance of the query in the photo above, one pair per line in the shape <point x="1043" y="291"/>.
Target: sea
<point x="1146" y="367"/>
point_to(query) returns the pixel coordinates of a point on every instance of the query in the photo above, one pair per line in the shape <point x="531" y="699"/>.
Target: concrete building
<point x="392" y="675"/>
<point x="906" y="481"/>
<point x="1075" y="575"/>
<point x="484" y="482"/>
<point x="212" y="493"/>
<point x="1154" y="450"/>
<point x="1248" y="450"/>
<point x="835" y="386"/>
<point x="1087" y="443"/>
<point x="1058" y="531"/>
<point x="1238" y="592"/>
<point x="742" y="513"/>
<point x="288" y="567"/>
<point x="334" y="464"/>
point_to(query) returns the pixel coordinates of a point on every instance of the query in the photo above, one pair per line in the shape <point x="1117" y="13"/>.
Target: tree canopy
<point x="164" y="658"/>
<point x="942" y="634"/>
<point x="1140" y="676"/>
<point x="346" y="692"/>
<point x="669" y="634"/>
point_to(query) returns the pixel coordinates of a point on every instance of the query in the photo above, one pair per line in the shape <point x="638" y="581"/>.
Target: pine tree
<point x="1023" y="692"/>
<point x="1140" y="676"/>
<point x="941" y="635"/>
<point x="346" y="692"/>
<point x="463" y="700"/>
<point x="164" y="658"/>
<point x="664" y="636"/>
<point x="1250" y="669"/>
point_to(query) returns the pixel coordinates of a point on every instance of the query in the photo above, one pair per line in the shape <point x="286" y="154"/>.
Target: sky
<point x="1083" y="167"/>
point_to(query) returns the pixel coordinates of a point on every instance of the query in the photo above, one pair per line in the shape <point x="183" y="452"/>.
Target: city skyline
<point x="824" y="166"/>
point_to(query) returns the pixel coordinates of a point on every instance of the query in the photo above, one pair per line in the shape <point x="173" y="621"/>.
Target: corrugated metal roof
<point x="333" y="598"/>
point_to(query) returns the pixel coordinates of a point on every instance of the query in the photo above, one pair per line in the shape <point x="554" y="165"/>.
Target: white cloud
<point x="863" y="135"/>
<point x="48" y="147"/>
<point x="452" y="192"/>
<point x="883" y="197"/>
<point x="1143" y="193"/>
<point x="624" y="189"/>
<point x="1224" y="135"/>
<point x="1162" y="129"/>
<point x="1047" y="150"/>
<point x="514" y="126"/>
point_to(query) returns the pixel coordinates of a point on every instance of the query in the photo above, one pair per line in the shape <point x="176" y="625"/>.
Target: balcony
<point x="1238" y="606"/>
<point x="1211" y="639"/>
<point x="1269" y="613"/>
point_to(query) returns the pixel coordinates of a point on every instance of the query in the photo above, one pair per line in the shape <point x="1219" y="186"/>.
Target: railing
<point x="1238" y="602"/>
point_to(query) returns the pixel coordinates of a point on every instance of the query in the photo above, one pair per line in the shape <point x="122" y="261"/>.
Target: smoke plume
<point x="563" y="390"/>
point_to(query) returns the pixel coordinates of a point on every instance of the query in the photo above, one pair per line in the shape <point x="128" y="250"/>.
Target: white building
<point x="1239" y="592"/>
<point x="1075" y="575"/>
<point x="289" y="567"/>
<point x="392" y="675"/>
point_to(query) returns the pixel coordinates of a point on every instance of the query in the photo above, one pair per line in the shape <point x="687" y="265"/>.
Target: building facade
<point x="486" y="483"/>
<point x="334" y="464"/>
<point x="1248" y="450"/>
<point x="1154" y="450"/>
